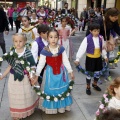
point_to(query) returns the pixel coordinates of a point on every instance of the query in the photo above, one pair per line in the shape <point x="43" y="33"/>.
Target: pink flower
<point x="106" y="100"/>
<point x="97" y="112"/>
<point x="105" y="110"/>
<point x="25" y="71"/>
<point x="101" y="106"/>
<point x="104" y="95"/>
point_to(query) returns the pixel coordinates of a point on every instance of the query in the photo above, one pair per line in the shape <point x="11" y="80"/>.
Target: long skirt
<point x="22" y="98"/>
<point x="54" y="86"/>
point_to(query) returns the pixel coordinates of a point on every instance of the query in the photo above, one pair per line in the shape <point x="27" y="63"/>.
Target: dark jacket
<point x="84" y="15"/>
<point x="63" y="11"/>
<point x="92" y="19"/>
<point x="114" y="26"/>
<point x="3" y="21"/>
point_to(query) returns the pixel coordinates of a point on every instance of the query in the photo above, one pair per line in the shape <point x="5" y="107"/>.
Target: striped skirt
<point x="22" y="98"/>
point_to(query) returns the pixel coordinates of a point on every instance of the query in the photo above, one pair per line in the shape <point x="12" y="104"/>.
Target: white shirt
<point x="34" y="20"/>
<point x="114" y="103"/>
<point x="34" y="49"/>
<point x="83" y="47"/>
<point x="42" y="61"/>
<point x="22" y="53"/>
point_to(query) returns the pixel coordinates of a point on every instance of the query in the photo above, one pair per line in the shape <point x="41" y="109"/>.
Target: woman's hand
<point x="72" y="76"/>
<point x="34" y="80"/>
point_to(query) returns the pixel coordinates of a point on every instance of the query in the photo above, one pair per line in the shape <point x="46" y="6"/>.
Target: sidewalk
<point x="84" y="106"/>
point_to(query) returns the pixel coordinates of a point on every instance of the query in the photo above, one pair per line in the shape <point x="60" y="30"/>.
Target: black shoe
<point x="88" y="91"/>
<point x="96" y="87"/>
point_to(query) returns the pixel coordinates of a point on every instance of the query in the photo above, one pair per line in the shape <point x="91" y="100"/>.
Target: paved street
<point x="83" y="107"/>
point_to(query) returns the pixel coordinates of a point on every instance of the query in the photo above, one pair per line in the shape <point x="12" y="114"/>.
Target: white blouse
<point x="21" y="54"/>
<point x="54" y="51"/>
<point x="83" y="47"/>
<point x="114" y="103"/>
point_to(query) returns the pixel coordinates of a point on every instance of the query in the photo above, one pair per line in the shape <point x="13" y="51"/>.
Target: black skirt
<point x="93" y="64"/>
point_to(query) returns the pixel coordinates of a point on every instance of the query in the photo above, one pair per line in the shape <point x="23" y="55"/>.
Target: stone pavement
<point x="83" y="107"/>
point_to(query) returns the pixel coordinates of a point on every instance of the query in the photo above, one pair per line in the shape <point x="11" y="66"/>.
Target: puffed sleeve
<point x="66" y="62"/>
<point x="41" y="64"/>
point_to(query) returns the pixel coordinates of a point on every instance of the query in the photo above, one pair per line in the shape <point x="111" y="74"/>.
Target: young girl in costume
<point x="30" y="31"/>
<point x="93" y="46"/>
<point x="34" y="18"/>
<point x="64" y="32"/>
<point x="22" y="98"/>
<point x="110" y="101"/>
<point x="114" y="91"/>
<point x="57" y="81"/>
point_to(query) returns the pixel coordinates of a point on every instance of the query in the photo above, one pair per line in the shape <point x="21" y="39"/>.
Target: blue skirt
<point x="55" y="85"/>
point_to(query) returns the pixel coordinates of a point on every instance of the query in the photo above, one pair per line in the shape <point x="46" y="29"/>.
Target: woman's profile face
<point x="113" y="18"/>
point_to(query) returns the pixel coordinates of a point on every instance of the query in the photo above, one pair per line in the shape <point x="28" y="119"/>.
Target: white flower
<point x="22" y="62"/>
<point x="39" y="93"/>
<point x="11" y="53"/>
<point x="68" y="94"/>
<point x="1" y="59"/>
<point x="47" y="97"/>
<point x="55" y="99"/>
<point x="27" y="68"/>
<point x="71" y="87"/>
<point x="28" y="63"/>
<point x="62" y="98"/>
<point x="5" y="54"/>
<point x="42" y="92"/>
<point x="59" y="95"/>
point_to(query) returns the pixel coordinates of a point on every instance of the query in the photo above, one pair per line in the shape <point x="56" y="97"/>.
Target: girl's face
<point x="29" y="14"/>
<point x="113" y="18"/>
<point x="42" y="10"/>
<point x="25" y="22"/>
<point x="64" y="22"/>
<point x="117" y="92"/>
<point x="53" y="38"/>
<point x="19" y="42"/>
<point x="95" y="32"/>
<point x="33" y="15"/>
<point x="40" y="20"/>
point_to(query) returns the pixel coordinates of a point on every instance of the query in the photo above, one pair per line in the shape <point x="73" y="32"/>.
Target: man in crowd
<point x="3" y="27"/>
<point x="84" y="16"/>
<point x="65" y="10"/>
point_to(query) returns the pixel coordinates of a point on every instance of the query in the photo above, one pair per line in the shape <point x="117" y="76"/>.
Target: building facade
<point x="80" y="4"/>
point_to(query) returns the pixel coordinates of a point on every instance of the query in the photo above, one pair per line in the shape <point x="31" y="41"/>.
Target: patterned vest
<point x="90" y="44"/>
<point x="40" y="45"/>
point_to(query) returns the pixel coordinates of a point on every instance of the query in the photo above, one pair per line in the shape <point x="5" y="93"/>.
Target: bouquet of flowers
<point x="103" y="105"/>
